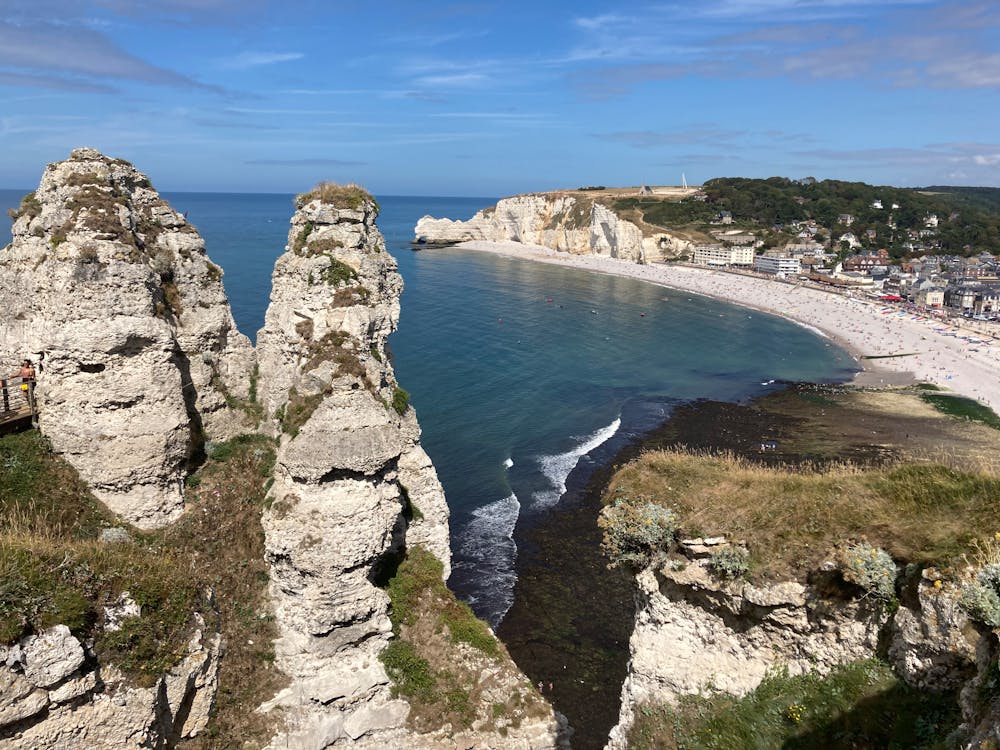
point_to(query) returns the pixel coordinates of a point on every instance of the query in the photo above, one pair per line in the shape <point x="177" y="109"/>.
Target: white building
<point x="779" y="265"/>
<point x="718" y="255"/>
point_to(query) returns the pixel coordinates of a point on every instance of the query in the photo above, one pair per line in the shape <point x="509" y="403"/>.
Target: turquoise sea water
<point x="522" y="373"/>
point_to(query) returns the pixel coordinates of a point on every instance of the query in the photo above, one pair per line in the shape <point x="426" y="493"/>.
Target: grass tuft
<point x="350" y="196"/>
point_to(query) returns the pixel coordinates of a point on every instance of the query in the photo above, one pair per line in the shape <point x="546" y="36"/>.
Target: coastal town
<point x="947" y="284"/>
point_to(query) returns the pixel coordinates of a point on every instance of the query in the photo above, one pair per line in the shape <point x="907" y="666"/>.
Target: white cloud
<point x="246" y="60"/>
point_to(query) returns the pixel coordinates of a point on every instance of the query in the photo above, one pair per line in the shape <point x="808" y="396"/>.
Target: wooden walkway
<point x="14" y="408"/>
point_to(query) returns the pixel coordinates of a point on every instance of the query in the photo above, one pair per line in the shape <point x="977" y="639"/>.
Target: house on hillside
<point x="877" y="204"/>
<point x="931" y="221"/>
<point x="845" y="219"/>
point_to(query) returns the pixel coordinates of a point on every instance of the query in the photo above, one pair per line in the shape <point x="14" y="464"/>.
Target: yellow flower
<point x="937" y="584"/>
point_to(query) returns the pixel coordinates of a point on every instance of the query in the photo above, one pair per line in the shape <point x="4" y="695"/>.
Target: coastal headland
<point x="892" y="346"/>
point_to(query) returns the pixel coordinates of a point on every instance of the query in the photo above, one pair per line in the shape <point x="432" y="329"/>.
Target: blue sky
<point x="495" y="98"/>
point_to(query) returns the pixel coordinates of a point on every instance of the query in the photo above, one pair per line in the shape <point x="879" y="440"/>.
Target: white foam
<point x="557" y="468"/>
<point x="487" y="546"/>
<point x="508" y="462"/>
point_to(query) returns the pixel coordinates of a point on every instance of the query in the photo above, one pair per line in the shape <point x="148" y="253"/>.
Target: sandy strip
<point x="863" y="327"/>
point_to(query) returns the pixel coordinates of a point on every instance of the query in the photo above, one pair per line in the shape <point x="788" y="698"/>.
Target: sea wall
<point x="566" y="223"/>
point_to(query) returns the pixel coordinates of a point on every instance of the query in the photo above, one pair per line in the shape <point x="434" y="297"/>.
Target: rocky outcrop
<point x="567" y="223"/>
<point x="54" y="696"/>
<point x="352" y="486"/>
<point x="694" y="632"/>
<point x="111" y="292"/>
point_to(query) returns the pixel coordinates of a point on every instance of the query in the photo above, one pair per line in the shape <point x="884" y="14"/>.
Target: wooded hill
<point x="968" y="217"/>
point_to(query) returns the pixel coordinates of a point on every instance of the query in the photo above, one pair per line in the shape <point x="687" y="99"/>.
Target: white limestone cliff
<point x="693" y="632"/>
<point x="566" y="223"/>
<point x="53" y="696"/>
<point x="110" y="291"/>
<point x="349" y="478"/>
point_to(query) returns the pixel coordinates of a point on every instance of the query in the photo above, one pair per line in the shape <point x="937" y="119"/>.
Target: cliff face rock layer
<point x="352" y="486"/>
<point x="565" y="223"/>
<point x="53" y="696"/>
<point x="111" y="290"/>
<point x="693" y="632"/>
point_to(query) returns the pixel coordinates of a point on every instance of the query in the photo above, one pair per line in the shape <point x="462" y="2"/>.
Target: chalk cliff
<point x="352" y="486"/>
<point x="693" y="631"/>
<point x="111" y="292"/>
<point x="567" y="223"/>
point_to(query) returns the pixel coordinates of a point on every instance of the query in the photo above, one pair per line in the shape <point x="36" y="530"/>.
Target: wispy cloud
<point x="698" y="134"/>
<point x="452" y="80"/>
<point x="246" y="60"/>
<point x="901" y="43"/>
<point x="79" y="52"/>
<point x="305" y="162"/>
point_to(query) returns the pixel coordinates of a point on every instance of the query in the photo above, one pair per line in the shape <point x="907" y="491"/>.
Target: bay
<point x="522" y="372"/>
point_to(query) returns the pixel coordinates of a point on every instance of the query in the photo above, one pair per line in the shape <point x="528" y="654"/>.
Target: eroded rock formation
<point x="566" y="223"/>
<point x="112" y="293"/>
<point x="694" y="632"/>
<point x="53" y="696"/>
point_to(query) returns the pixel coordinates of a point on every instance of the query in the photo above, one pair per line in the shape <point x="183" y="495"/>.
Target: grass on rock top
<point x="793" y="519"/>
<point x="54" y="569"/>
<point x="350" y="196"/>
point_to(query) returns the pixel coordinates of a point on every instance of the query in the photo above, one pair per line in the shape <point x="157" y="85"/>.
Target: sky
<point x="498" y="98"/>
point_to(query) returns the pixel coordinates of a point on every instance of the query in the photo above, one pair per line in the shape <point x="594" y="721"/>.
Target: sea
<point x="522" y="374"/>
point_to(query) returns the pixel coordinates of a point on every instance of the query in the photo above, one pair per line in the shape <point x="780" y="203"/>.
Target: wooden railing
<point x="17" y="402"/>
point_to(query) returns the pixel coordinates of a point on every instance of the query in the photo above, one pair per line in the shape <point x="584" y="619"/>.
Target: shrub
<point x="400" y="399"/>
<point x="29" y="207"/>
<point x="981" y="598"/>
<point x="729" y="562"/>
<point x="337" y="272"/>
<point x="636" y="532"/>
<point x="872" y="569"/>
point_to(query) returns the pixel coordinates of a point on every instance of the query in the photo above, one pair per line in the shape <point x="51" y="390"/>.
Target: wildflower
<point x="937" y="584"/>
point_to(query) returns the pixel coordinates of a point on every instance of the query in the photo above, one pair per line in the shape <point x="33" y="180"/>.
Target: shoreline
<point x="908" y="348"/>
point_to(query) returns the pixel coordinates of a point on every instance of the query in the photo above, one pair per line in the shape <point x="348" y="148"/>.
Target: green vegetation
<point x="54" y="568"/>
<point x="400" y="400"/>
<point x="920" y="513"/>
<point x="341" y="196"/>
<point x="337" y="272"/>
<point x="963" y="408"/>
<point x="440" y="682"/>
<point x="969" y="218"/>
<point x="981" y="597"/>
<point x="729" y="562"/>
<point x="872" y="569"/>
<point x="297" y="410"/>
<point x="302" y="238"/>
<point x="30" y="206"/>
<point x="859" y="705"/>
<point x="637" y="532"/>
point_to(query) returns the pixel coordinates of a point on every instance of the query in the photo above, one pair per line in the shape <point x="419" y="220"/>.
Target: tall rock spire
<point x="139" y="359"/>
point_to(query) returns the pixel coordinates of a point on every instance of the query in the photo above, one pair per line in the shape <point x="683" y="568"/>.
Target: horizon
<point x="474" y="99"/>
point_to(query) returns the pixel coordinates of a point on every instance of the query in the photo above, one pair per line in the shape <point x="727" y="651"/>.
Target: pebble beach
<point x="892" y="346"/>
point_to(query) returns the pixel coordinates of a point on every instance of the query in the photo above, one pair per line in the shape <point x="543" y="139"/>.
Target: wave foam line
<point x="489" y="552"/>
<point x="557" y="468"/>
